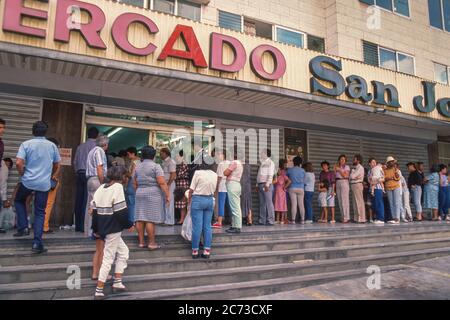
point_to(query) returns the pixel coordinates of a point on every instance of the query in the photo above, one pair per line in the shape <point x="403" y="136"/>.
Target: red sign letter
<point x="278" y="58"/>
<point x="193" y="51"/>
<point x="90" y="31"/>
<point x="216" y="55"/>
<point x="12" y="18"/>
<point x="120" y="33"/>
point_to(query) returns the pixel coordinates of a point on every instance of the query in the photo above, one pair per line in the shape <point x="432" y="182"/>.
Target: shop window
<point x="439" y="14"/>
<point x="189" y="10"/>
<point x="400" y="7"/>
<point x="388" y="59"/>
<point x="137" y="3"/>
<point x="291" y="37"/>
<point x="258" y="28"/>
<point x="441" y="73"/>
<point x="316" y="44"/>
<point x="230" y="21"/>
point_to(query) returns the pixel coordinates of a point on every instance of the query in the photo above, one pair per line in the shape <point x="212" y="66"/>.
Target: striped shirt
<point x="96" y="157"/>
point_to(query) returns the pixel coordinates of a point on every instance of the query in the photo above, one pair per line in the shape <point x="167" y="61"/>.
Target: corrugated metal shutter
<point x="328" y="146"/>
<point x="230" y="21"/>
<point x="254" y="148"/>
<point x="19" y="113"/>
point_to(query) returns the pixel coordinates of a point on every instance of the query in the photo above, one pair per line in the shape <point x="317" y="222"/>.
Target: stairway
<point x="260" y="261"/>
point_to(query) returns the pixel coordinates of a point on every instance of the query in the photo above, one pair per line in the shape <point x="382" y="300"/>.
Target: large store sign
<point x="326" y="72"/>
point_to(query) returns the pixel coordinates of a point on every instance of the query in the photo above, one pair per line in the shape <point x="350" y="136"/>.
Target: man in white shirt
<point x="170" y="174"/>
<point x="4" y="202"/>
<point x="357" y="186"/>
<point x="265" y="176"/>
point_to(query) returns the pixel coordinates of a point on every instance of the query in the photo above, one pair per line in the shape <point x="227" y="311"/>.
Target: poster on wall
<point x="66" y="156"/>
<point x="295" y="145"/>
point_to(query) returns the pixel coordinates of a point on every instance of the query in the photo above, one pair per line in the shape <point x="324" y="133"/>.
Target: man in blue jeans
<point x="376" y="180"/>
<point x="37" y="161"/>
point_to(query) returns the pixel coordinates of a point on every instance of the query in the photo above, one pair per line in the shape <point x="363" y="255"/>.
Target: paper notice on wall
<point x="66" y="156"/>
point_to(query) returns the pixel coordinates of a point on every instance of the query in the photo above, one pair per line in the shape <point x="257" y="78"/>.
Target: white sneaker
<point x="448" y="218"/>
<point x="393" y="222"/>
<point x="405" y="221"/>
<point x="311" y="222"/>
<point x="378" y="222"/>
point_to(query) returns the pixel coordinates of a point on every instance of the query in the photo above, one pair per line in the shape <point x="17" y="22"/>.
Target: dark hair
<point x="132" y="150"/>
<point x="325" y="163"/>
<point x="411" y="164"/>
<point x="8" y="160"/>
<point x="372" y="159"/>
<point x="359" y="158"/>
<point x="326" y="183"/>
<point x="298" y="161"/>
<point x="93" y="133"/>
<point x="342" y="156"/>
<point x="148" y="153"/>
<point x="269" y="153"/>
<point x="39" y="129"/>
<point x="308" y="166"/>
<point x="53" y="140"/>
<point x="3" y="122"/>
<point x="434" y="169"/>
<point x="166" y="151"/>
<point x="281" y="163"/>
<point x="116" y="173"/>
<point x="122" y="153"/>
<point x="181" y="153"/>
<point x="442" y="167"/>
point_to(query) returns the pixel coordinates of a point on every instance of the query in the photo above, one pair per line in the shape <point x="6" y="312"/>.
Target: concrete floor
<point x="426" y="280"/>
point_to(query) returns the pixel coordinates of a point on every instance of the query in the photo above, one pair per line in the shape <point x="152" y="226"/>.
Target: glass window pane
<point x="435" y="13"/>
<point x="447" y="14"/>
<point x="402" y="7"/>
<point x="316" y="43"/>
<point x="167" y="6"/>
<point x="137" y="3"/>
<point x="388" y="59"/>
<point x="290" y="37"/>
<point x="189" y="10"/>
<point x="387" y="4"/>
<point x="440" y="73"/>
<point x="230" y="21"/>
<point x="405" y="64"/>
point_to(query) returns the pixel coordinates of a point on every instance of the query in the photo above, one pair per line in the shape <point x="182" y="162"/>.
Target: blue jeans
<point x="443" y="201"/>
<point x="417" y="198"/>
<point x="223" y="201"/>
<point x="395" y="203"/>
<point x="131" y="201"/>
<point x="378" y="204"/>
<point x="202" y="209"/>
<point x="40" y="202"/>
<point x="266" y="207"/>
<point x="309" y="205"/>
<point x="80" y="200"/>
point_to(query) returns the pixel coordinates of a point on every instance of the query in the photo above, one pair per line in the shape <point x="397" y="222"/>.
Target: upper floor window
<point x="441" y="73"/>
<point x="258" y="28"/>
<point x="439" y="12"/>
<point x="182" y="8"/>
<point x="388" y="59"/>
<point x="137" y="3"/>
<point x="397" y="6"/>
<point x="292" y="37"/>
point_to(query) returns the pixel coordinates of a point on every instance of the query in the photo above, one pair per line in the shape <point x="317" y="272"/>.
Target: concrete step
<point x="79" y="253"/>
<point x="45" y="272"/>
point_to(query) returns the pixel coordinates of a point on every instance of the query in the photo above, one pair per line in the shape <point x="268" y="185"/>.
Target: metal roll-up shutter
<point x="276" y="154"/>
<point x="20" y="113"/>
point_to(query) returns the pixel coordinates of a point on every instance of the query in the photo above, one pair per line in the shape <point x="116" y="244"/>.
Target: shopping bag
<point x="7" y="218"/>
<point x="186" y="229"/>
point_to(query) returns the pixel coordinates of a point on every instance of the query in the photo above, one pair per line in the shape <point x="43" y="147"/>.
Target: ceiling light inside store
<point x="115" y="131"/>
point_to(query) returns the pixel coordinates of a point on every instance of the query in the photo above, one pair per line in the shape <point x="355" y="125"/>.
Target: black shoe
<point x="22" y="233"/>
<point x="38" y="250"/>
<point x="234" y="231"/>
<point x="2" y="231"/>
<point x="196" y="256"/>
<point x="206" y="256"/>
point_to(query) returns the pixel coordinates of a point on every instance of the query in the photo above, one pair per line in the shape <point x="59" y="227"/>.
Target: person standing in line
<point x="330" y="178"/>
<point x="109" y="218"/>
<point x="393" y="189"/>
<point x="342" y="171"/>
<point x="222" y="194"/>
<point x="421" y="171"/>
<point x="406" y="214"/>
<point x="246" y="196"/>
<point x="37" y="161"/>
<point x="368" y="196"/>
<point x="170" y="174"/>
<point x="431" y="192"/>
<point x="443" y="186"/>
<point x="357" y="186"/>
<point x="201" y="198"/>
<point x="310" y="182"/>
<point x="415" y="185"/>
<point x="4" y="172"/>
<point x="96" y="169"/>
<point x="234" y="190"/>
<point x="265" y="188"/>
<point x="281" y="186"/>
<point x="182" y="185"/>
<point x="297" y="190"/>
<point x="376" y="181"/>
<point x="79" y="165"/>
<point x="134" y="160"/>
<point x="55" y="185"/>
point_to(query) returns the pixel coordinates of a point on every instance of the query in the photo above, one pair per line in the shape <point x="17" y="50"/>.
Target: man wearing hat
<point x="393" y="189"/>
<point x="37" y="162"/>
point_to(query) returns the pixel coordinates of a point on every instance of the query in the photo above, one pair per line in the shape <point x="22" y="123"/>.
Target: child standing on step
<point x="110" y="218"/>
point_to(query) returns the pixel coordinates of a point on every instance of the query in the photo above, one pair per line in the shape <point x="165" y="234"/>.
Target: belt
<point x="202" y="195"/>
<point x="352" y="183"/>
<point x="81" y="171"/>
<point x="337" y="179"/>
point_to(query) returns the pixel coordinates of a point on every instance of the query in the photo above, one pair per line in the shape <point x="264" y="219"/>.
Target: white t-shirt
<point x="310" y="180"/>
<point x="204" y="183"/>
<point x="220" y="170"/>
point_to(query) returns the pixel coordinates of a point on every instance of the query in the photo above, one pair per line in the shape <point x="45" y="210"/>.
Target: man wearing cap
<point x="37" y="162"/>
<point x="394" y="189"/>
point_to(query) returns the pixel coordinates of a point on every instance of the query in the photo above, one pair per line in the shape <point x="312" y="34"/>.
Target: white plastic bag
<point x="7" y="218"/>
<point x="186" y="229"/>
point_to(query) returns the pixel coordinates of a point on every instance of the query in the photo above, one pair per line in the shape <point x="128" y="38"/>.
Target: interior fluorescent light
<point x="114" y="132"/>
